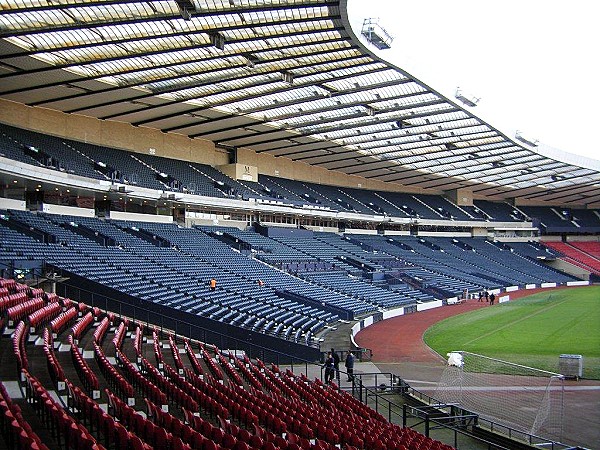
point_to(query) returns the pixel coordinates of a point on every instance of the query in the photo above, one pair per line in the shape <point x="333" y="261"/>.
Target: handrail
<point x="400" y="386"/>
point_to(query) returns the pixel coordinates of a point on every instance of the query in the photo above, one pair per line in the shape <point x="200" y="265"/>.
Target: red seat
<point x="136" y="443"/>
<point x="228" y="441"/>
<point x="122" y="436"/>
<point x="149" y="431"/>
<point x="161" y="439"/>
<point x="177" y="443"/>
<point x="280" y="442"/>
<point x="243" y="435"/>
<point x="241" y="445"/>
<point x="256" y="442"/>
<point x="217" y="435"/>
<point x="197" y="440"/>
<point x="209" y="445"/>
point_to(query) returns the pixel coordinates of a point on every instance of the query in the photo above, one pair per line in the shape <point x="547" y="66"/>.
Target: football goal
<point x="520" y="397"/>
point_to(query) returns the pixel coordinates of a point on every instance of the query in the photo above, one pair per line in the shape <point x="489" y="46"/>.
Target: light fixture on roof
<point x="217" y="40"/>
<point x="186" y="8"/>
<point x="251" y="60"/>
<point x="468" y="100"/>
<point x="526" y="140"/>
<point x="287" y="77"/>
<point x="376" y="34"/>
<point x="404" y="124"/>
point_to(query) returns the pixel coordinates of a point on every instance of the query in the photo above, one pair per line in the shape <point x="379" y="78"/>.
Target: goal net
<point x="520" y="397"/>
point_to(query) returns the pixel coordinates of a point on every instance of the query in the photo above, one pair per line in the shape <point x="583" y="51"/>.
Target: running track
<point x="400" y="339"/>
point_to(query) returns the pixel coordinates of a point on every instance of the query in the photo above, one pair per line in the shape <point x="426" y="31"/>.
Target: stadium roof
<point x="284" y="77"/>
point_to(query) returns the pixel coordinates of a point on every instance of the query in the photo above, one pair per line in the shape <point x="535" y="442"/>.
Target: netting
<point x="524" y="398"/>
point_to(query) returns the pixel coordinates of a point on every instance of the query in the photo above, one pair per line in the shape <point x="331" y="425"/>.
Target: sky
<point x="534" y="64"/>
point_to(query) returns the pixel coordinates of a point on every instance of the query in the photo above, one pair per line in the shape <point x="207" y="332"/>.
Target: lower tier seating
<point x="186" y="395"/>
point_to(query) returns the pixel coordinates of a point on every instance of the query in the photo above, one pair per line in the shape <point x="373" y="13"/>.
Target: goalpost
<point x="524" y="398"/>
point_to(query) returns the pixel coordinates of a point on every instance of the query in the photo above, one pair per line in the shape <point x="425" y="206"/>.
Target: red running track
<point x="400" y="339"/>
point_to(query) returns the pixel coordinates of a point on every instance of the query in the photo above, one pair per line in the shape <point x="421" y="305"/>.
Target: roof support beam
<point x="356" y="63"/>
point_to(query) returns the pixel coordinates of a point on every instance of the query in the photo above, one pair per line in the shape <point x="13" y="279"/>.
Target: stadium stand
<point x="148" y="149"/>
<point x="179" y="401"/>
<point x="575" y="254"/>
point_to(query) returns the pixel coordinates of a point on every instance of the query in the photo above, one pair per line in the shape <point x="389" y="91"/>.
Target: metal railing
<point x="450" y="423"/>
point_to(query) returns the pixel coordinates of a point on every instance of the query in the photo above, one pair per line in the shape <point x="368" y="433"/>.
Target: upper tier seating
<point x="44" y="150"/>
<point x="588" y="220"/>
<point x="342" y="197"/>
<point x="501" y="212"/>
<point x="169" y="175"/>
<point x="297" y="192"/>
<point x="551" y="219"/>
<point x="444" y="207"/>
<point x="182" y="176"/>
<point x="405" y="205"/>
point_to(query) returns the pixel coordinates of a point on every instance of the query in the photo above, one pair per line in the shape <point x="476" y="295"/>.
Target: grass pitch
<point x="533" y="331"/>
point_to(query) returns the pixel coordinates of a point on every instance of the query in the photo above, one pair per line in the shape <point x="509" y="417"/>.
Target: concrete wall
<point x="152" y="141"/>
<point x="68" y="210"/>
<point x="461" y="197"/>
<point x="110" y="133"/>
<point x="171" y="145"/>
<point x="244" y="172"/>
<point x="7" y="203"/>
<point x="569" y="268"/>
<point x="286" y="168"/>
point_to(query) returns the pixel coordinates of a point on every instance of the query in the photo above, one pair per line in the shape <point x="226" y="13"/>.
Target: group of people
<point x="332" y="366"/>
<point x="489" y="298"/>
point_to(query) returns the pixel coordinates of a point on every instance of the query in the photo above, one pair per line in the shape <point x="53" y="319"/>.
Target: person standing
<point x="213" y="284"/>
<point x="329" y="368"/>
<point x="336" y="364"/>
<point x="492" y="298"/>
<point x="349" y="363"/>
